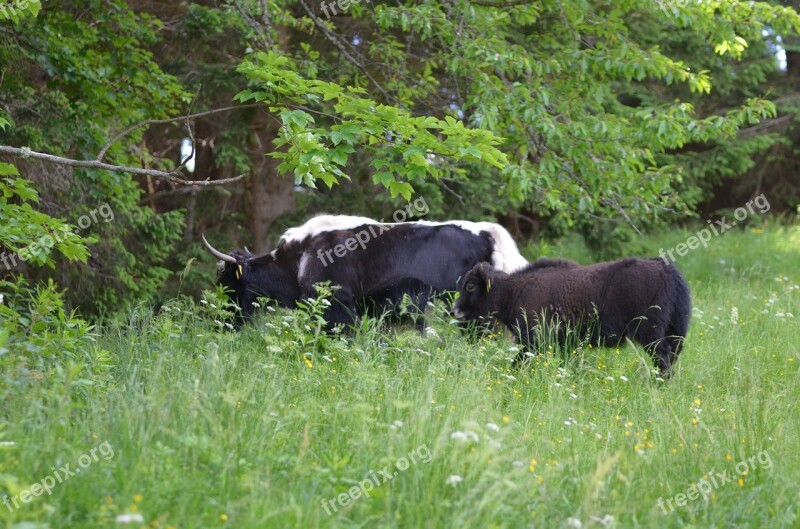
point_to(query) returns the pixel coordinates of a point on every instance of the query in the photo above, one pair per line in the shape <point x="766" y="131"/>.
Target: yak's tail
<point x="681" y="310"/>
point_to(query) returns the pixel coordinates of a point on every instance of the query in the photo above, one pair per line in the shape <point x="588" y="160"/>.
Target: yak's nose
<point x="457" y="313"/>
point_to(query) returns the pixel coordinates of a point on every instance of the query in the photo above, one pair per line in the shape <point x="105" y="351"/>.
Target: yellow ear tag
<point x="488" y="285"/>
<point x="238" y="271"/>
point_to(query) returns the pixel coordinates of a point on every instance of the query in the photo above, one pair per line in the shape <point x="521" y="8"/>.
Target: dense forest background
<point x="599" y="118"/>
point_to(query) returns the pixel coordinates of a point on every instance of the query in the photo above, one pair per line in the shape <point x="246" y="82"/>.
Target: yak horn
<point x="217" y="253"/>
<point x="246" y="250"/>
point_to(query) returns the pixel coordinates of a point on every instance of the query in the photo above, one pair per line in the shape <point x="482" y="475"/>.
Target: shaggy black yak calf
<point x="645" y="300"/>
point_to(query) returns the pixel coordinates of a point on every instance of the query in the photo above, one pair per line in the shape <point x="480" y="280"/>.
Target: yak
<point x="369" y="262"/>
<point x="645" y="300"/>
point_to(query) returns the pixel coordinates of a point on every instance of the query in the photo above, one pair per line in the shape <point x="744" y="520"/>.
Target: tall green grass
<point x="212" y="428"/>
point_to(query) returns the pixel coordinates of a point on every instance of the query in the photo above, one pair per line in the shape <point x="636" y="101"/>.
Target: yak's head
<point x="232" y="271"/>
<point x="231" y="266"/>
<point x="475" y="297"/>
<point x="247" y="277"/>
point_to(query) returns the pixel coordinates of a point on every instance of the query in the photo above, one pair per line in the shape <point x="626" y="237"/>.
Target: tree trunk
<point x="269" y="194"/>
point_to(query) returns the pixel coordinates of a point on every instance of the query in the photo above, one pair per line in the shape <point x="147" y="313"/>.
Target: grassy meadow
<point x="280" y="425"/>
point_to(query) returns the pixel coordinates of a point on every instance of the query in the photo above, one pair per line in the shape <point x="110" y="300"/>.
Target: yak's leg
<point x="653" y="336"/>
<point x="342" y="309"/>
<point x="421" y="305"/>
<point x="664" y="357"/>
<point x="526" y="333"/>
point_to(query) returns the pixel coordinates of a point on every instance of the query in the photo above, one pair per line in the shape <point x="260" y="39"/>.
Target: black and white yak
<point x="645" y="300"/>
<point x="371" y="262"/>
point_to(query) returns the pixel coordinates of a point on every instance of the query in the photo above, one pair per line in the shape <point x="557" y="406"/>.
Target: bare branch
<point x="335" y="41"/>
<point x="262" y="30"/>
<point x="173" y="176"/>
<point x="265" y="20"/>
<point x="507" y="3"/>
<point x="447" y="188"/>
<point x="768" y="125"/>
<point x="130" y="129"/>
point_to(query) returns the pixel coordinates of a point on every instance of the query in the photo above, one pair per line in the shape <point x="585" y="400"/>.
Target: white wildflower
<point x="605" y="521"/>
<point x="133" y="517"/>
<point x="492" y="426"/>
<point x="465" y="436"/>
<point x="453" y="480"/>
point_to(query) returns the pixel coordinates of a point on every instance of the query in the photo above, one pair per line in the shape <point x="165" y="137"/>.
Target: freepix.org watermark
<point x="376" y="479"/>
<point x="371" y="231"/>
<point x="343" y="6"/>
<point x="717" y="228"/>
<point x="714" y="480"/>
<point x="46" y="242"/>
<point x="59" y="475"/>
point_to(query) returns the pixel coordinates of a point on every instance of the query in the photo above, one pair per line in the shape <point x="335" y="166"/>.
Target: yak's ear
<point x="485" y="275"/>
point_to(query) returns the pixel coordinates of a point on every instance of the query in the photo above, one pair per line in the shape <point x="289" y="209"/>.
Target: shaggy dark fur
<point x="645" y="300"/>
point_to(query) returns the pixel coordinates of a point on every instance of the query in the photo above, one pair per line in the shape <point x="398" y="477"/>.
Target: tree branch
<point x="262" y="33"/>
<point x="173" y="176"/>
<point x="507" y="3"/>
<point x="447" y="188"/>
<point x="130" y="129"/>
<point x="766" y="125"/>
<point x="332" y="38"/>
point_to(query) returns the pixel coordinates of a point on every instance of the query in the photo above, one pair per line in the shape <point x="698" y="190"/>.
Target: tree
<point x="588" y="115"/>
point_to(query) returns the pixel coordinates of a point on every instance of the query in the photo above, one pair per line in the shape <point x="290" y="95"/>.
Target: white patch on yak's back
<point x="323" y="223"/>
<point x="505" y="257"/>
<point x="301" y="268"/>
